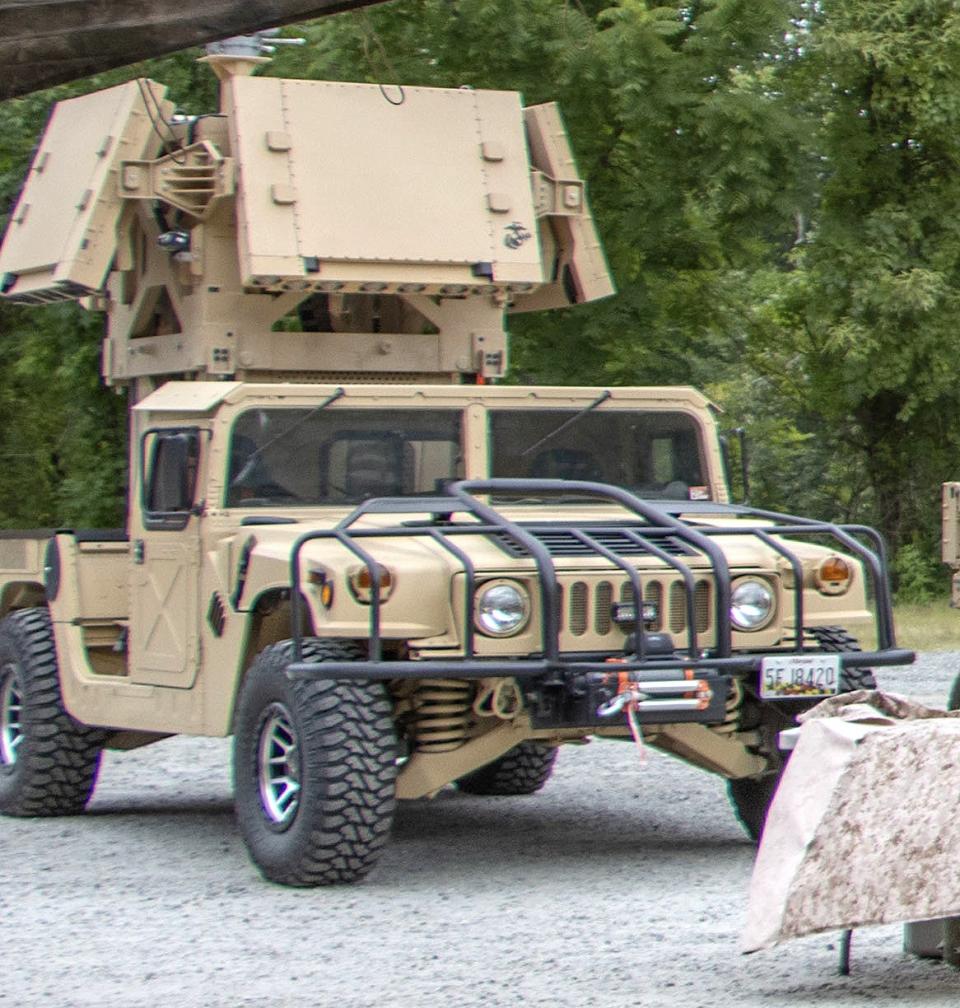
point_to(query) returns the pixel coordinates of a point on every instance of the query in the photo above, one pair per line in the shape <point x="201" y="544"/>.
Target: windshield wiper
<point x="568" y="423"/>
<point x="248" y="466"/>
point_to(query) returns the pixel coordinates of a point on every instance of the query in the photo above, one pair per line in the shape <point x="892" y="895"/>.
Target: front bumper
<point x="533" y="668"/>
<point x="666" y="690"/>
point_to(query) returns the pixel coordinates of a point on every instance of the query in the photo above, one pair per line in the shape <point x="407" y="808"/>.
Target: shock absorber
<point x="441" y="710"/>
<point x="731" y="719"/>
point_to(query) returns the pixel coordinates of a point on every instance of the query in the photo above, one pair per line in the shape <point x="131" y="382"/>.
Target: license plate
<point x="799" y="675"/>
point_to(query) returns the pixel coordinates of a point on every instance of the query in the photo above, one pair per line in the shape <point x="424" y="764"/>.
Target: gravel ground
<point x="617" y="885"/>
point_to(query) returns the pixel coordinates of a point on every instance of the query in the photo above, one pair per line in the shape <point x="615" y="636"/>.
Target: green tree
<point x="868" y="316"/>
<point x="679" y="123"/>
<point x="62" y="435"/>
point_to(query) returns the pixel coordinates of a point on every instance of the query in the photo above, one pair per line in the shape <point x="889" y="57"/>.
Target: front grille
<point x="652" y="592"/>
<point x="678" y="606"/>
<point x="563" y="543"/>
<point x="587" y="605"/>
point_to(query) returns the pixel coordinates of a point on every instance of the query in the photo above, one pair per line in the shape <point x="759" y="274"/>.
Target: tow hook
<point x="631" y="697"/>
<point x="617" y="704"/>
<point x="680" y="694"/>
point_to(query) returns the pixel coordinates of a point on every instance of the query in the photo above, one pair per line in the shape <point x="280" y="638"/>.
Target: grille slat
<point x="701" y="605"/>
<point x="678" y="607"/>
<point x="602" y="602"/>
<point x="578" y="609"/>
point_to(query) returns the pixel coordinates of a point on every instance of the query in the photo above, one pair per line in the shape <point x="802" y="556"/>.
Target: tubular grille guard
<point x="459" y="497"/>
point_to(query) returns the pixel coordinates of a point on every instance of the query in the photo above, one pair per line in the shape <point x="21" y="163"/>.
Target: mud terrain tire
<point x="314" y="767"/>
<point x="953" y="702"/>
<point x="48" y="761"/>
<point x="751" y="796"/>
<point x="521" y="771"/>
<point x="835" y="638"/>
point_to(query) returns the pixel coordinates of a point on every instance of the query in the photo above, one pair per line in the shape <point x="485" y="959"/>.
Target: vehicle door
<point x="165" y="559"/>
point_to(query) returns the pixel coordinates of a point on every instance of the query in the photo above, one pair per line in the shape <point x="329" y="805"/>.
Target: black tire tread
<point x="836" y="638"/>
<point x="522" y="771"/>
<point x="59" y="758"/>
<point x="347" y="731"/>
<point x="751" y="796"/>
<point x="953" y="701"/>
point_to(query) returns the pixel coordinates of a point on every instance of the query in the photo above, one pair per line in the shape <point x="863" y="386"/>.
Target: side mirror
<point x="741" y="435"/>
<point x="170" y="479"/>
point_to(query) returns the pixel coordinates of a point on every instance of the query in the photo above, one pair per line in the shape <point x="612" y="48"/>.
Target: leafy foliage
<point x="869" y="314"/>
<point x="776" y="186"/>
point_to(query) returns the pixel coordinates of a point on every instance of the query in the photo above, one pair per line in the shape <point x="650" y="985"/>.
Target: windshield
<point x="656" y="455"/>
<point x="302" y="457"/>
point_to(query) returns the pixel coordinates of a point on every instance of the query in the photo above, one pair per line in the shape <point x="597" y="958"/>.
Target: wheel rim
<point x="11" y="709"/>
<point x="278" y="766"/>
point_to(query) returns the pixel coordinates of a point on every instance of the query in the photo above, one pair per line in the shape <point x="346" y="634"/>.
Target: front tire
<point x="953" y="702"/>
<point x="48" y="761"/>
<point x="835" y="638"/>
<point x="314" y="769"/>
<point x="521" y="771"/>
<point x="751" y="796"/>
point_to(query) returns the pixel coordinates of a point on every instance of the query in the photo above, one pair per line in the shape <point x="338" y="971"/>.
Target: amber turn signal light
<point x="833" y="575"/>
<point x="361" y="584"/>
<point x="324" y="587"/>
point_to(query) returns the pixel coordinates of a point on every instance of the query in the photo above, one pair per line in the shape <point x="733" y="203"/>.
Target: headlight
<point x="501" y="608"/>
<point x="751" y="605"/>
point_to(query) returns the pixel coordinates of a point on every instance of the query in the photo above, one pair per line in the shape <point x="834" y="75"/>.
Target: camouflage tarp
<point x="863" y="829"/>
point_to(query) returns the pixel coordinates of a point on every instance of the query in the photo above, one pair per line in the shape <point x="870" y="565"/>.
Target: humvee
<point x="349" y="548"/>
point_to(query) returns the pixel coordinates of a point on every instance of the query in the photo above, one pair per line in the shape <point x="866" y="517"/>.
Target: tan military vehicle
<point x="348" y="548"/>
<point x="950" y="553"/>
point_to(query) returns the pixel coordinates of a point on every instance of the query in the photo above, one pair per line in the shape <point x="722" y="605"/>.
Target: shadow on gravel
<point x="878" y="983"/>
<point x="533" y="829"/>
<point x="171" y="806"/>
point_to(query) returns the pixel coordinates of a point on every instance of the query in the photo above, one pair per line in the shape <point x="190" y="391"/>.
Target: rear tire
<point x="48" y="761"/>
<point x="521" y="771"/>
<point x="314" y="769"/>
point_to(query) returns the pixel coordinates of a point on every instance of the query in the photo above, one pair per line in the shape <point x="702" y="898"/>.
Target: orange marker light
<point x="833" y="575"/>
<point x="361" y="584"/>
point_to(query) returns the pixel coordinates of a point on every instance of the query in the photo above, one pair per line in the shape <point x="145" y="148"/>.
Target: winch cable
<point x="626" y="700"/>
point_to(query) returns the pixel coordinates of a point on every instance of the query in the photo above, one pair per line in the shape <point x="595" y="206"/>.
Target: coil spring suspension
<point x="442" y="711"/>
<point x="731" y="718"/>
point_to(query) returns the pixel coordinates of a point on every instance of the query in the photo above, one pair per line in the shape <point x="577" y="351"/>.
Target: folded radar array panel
<point x="61" y="237"/>
<point x="351" y="186"/>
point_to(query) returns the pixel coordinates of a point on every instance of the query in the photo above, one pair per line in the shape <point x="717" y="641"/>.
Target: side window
<point x="169" y="477"/>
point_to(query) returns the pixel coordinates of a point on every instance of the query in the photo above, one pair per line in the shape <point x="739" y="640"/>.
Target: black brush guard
<point x="576" y="671"/>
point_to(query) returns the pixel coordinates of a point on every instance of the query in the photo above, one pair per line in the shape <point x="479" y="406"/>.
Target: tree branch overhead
<point x="49" y="42"/>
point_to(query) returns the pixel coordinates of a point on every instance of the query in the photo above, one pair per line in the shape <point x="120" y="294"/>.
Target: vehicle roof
<point x="204" y="397"/>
